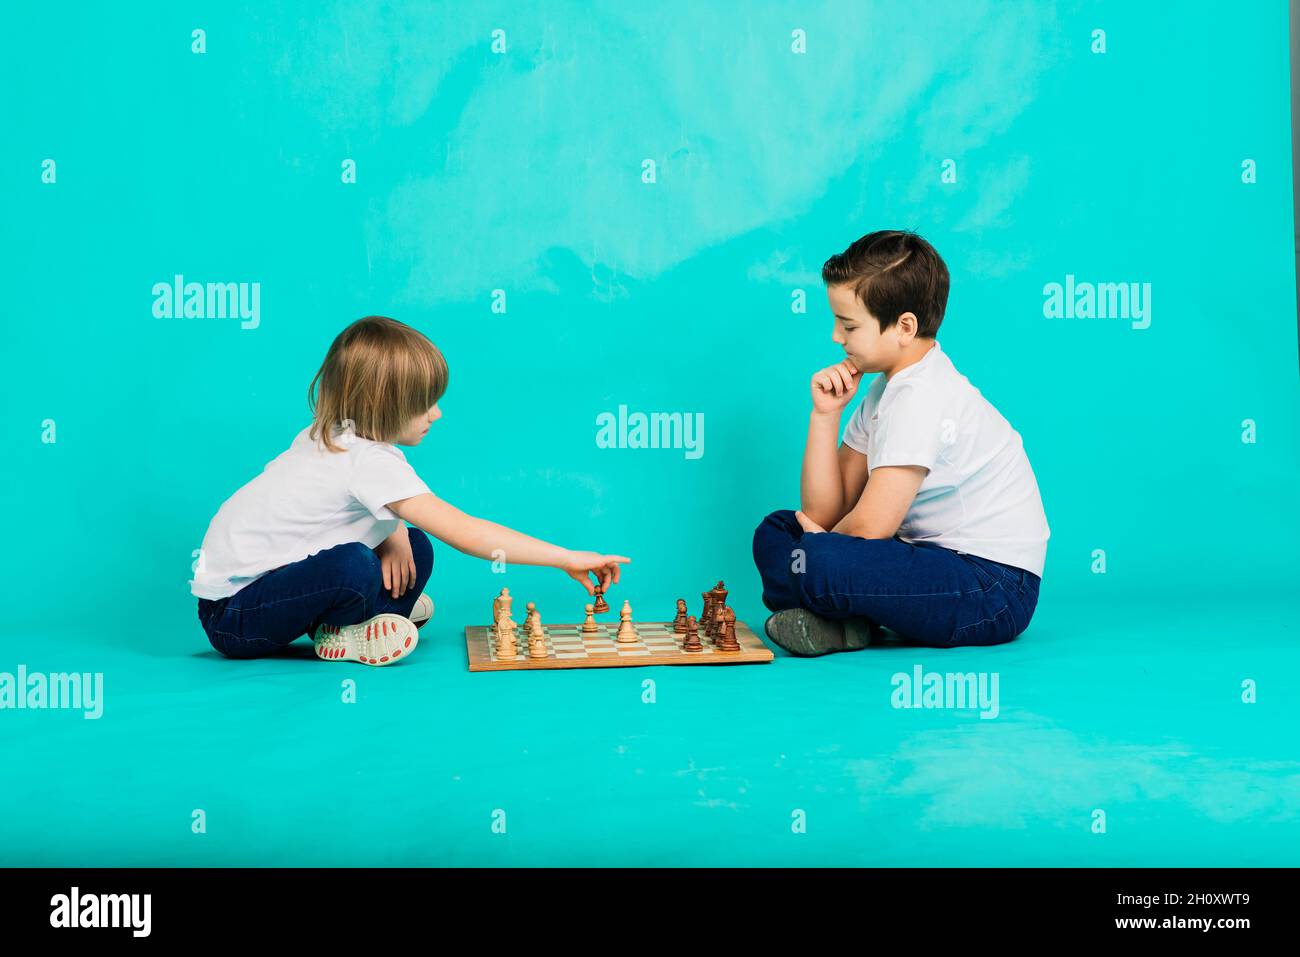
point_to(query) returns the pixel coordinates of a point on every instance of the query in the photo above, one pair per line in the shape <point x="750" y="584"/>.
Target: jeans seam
<point x="267" y="604"/>
<point x="311" y="594"/>
<point x="1004" y="610"/>
<point x="876" y="594"/>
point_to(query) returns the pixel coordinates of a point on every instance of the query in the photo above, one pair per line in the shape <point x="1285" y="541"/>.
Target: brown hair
<point x="379" y="374"/>
<point x="892" y="272"/>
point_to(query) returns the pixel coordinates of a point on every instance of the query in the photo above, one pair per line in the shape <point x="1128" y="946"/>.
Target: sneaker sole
<point x="382" y="640"/>
<point x="807" y="635"/>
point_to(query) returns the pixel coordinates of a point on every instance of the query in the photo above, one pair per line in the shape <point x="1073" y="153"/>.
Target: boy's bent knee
<point x="359" y="563"/>
<point x="777" y="531"/>
<point x="421" y="548"/>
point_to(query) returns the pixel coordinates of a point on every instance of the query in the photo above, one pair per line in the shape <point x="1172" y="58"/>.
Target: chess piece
<point x="536" y="629"/>
<point x="692" y="641"/>
<point x="537" y="644"/>
<point x="719" y="595"/>
<point x="528" y="617"/>
<point x="719" y="619"/>
<point x="706" y="615"/>
<point x="626" y="631"/>
<point x="727" y="640"/>
<point x="589" y="626"/>
<point x="679" y="623"/>
<point x="501" y="605"/>
<point x="506" y="646"/>
<point x="601" y="606"/>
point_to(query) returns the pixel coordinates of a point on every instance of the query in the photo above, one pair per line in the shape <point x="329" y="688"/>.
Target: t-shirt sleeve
<point x="909" y="431"/>
<point x="855" y="432"/>
<point x="382" y="475"/>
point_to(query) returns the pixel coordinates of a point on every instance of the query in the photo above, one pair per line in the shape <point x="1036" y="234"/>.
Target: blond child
<point x="317" y="545"/>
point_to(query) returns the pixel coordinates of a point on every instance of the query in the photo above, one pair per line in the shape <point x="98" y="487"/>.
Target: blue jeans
<point x="924" y="592"/>
<point x="342" y="585"/>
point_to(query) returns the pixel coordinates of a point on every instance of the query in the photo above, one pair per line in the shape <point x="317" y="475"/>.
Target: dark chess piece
<point x="727" y="640"/>
<point x="692" y="642"/>
<point x="600" y="606"/>
<point x="679" y="623"/>
<point x="718" y="595"/>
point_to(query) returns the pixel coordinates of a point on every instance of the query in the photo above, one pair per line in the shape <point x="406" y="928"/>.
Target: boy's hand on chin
<point x="808" y="524"/>
<point x="834" y="386"/>
<point x="580" y="566"/>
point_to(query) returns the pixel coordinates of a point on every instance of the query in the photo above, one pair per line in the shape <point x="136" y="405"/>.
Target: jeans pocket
<point x="986" y="578"/>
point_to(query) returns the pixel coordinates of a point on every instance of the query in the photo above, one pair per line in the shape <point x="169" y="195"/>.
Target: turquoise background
<point x="522" y="172"/>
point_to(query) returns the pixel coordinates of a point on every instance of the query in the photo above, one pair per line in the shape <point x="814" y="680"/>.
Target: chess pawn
<point x="506" y="646"/>
<point x="727" y="640"/>
<point x="529" y="613"/>
<point x="589" y="626"/>
<point x="601" y="606"/>
<point x="536" y="629"/>
<point x="692" y="641"/>
<point x="537" y="645"/>
<point x="626" y="632"/>
<point x="679" y="623"/>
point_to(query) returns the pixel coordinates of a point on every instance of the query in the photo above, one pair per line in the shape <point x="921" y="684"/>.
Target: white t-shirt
<point x="980" y="495"/>
<point x="306" y="500"/>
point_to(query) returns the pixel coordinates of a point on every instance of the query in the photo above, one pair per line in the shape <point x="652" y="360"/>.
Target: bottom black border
<point x="545" y="906"/>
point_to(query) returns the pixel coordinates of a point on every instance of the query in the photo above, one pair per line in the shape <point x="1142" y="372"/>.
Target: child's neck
<point x="913" y="354"/>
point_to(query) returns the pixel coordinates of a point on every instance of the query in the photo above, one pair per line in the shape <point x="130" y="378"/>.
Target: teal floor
<point x="1133" y="708"/>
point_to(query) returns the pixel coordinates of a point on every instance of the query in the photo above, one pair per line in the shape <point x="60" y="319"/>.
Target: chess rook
<point x="501" y="605"/>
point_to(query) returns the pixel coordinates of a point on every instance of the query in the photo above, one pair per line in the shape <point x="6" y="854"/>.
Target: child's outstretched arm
<point x="484" y="539"/>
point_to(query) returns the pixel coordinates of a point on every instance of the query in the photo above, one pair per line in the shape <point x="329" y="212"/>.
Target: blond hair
<point x="378" y="375"/>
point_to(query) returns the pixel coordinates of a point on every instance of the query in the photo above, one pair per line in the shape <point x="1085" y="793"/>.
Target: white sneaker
<point x="379" y="641"/>
<point x="423" y="610"/>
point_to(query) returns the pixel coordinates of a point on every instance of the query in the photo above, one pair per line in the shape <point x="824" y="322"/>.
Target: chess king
<point x="926" y="519"/>
<point x="332" y="540"/>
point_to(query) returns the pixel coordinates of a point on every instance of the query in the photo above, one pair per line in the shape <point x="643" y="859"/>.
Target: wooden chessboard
<point x="568" y="647"/>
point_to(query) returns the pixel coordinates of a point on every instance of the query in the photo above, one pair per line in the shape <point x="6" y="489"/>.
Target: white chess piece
<point x="626" y="631"/>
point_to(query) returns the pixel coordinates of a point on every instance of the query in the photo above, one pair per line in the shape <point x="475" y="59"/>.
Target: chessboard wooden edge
<point x="476" y="650"/>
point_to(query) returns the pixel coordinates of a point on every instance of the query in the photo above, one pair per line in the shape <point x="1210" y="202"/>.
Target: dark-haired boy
<point x="927" y="519"/>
